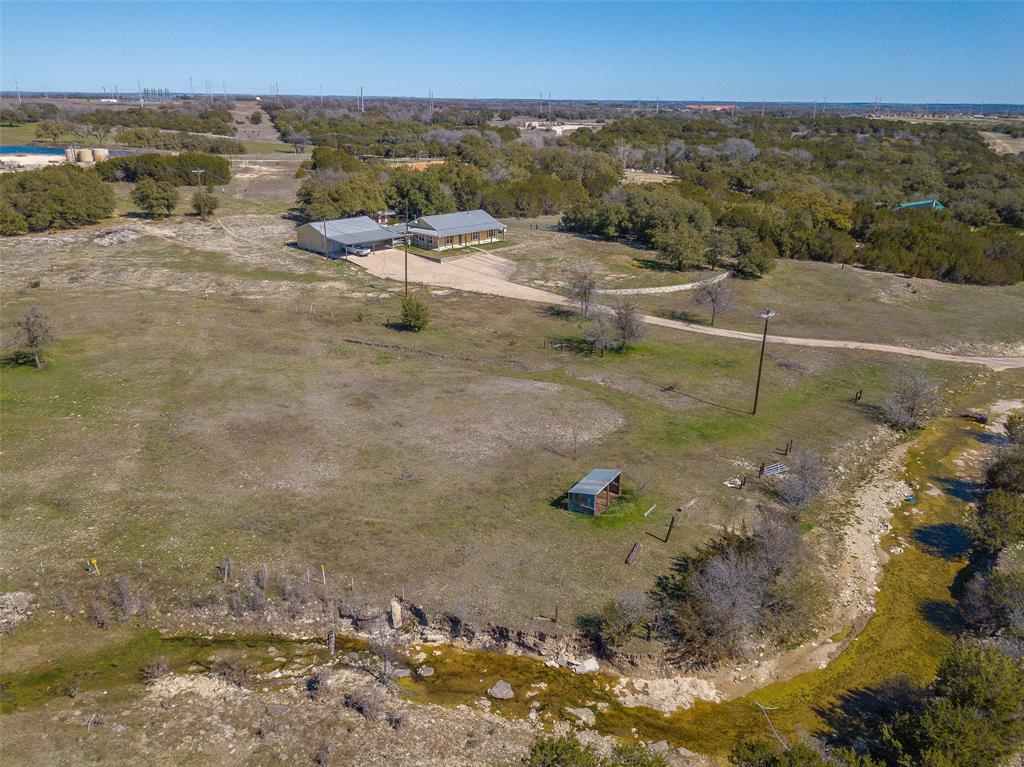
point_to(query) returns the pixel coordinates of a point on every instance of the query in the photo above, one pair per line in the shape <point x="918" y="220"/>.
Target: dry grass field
<point x="217" y="392"/>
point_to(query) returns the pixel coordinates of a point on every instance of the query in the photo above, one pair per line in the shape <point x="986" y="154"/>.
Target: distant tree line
<point x="176" y="169"/>
<point x="509" y="182"/>
<point x="59" y="197"/>
<point x="188" y="142"/>
<point x="216" y="120"/>
<point x="747" y="189"/>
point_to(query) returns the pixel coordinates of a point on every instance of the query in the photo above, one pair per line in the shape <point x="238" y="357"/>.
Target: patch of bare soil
<point x="15" y="607"/>
<point x="1002" y="143"/>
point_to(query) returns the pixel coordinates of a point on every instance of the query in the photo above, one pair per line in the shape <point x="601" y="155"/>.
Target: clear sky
<point x="856" y="51"/>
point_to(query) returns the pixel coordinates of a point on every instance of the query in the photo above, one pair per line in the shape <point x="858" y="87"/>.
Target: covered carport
<point x="346" y="236"/>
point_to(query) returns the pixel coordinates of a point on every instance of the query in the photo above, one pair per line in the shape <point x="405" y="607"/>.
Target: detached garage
<point x="346" y="236"/>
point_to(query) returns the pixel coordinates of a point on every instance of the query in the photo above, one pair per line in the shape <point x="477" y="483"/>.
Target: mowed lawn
<point x="171" y="430"/>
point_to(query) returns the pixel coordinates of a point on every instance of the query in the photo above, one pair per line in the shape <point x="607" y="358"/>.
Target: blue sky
<point x="856" y="51"/>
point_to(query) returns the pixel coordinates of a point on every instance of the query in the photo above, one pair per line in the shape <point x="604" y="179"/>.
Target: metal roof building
<point x="595" y="492"/>
<point x="346" y="235"/>
<point x="463" y="222"/>
<point x="933" y="204"/>
<point x="455" y="230"/>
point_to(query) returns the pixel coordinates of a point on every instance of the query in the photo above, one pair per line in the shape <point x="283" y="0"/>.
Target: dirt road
<point x="488" y="273"/>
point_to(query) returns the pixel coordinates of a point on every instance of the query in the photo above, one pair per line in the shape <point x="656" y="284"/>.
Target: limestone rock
<point x="585" y="715"/>
<point x="501" y="690"/>
<point x="587" y="666"/>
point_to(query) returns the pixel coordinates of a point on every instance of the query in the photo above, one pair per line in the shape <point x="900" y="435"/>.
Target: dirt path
<point x="488" y="273"/>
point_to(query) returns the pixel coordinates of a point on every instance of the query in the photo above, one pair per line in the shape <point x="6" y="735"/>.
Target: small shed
<point x="596" y="492"/>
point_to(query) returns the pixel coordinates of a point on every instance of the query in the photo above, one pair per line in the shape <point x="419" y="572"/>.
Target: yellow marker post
<point x="323" y="574"/>
<point x="95" y="567"/>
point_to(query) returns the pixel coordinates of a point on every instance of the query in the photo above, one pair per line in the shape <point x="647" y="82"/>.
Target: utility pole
<point x="321" y="97"/>
<point x="138" y="80"/>
<point x="18" y="89"/>
<point x="406" y="247"/>
<point x="767" y="314"/>
<point x="191" y="90"/>
<point x="362" y="102"/>
<point x="202" y="192"/>
<point x="224" y="89"/>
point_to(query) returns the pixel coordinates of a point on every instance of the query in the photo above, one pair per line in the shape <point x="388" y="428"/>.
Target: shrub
<point x="415" y="313"/>
<point x="233" y="667"/>
<point x="1015" y="427"/>
<point x="369" y="703"/>
<point x="805" y="480"/>
<point x="760" y="753"/>
<point x="741" y="589"/>
<point x="60" y="197"/>
<point x="204" y="203"/>
<point x="157" y="198"/>
<point x="1007" y="471"/>
<point x="913" y="400"/>
<point x="999" y="521"/>
<point x="156" y="668"/>
<point x="568" y="751"/>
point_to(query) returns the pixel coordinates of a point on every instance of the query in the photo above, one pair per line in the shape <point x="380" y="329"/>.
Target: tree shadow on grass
<point x="681" y="315"/>
<point x="653" y="264"/>
<point x="17" y="358"/>
<point x="942" y="615"/>
<point x="856" y="717"/>
<point x="572" y="344"/>
<point x="558" y="312"/>
<point x="946" y="540"/>
<point x="962" y="489"/>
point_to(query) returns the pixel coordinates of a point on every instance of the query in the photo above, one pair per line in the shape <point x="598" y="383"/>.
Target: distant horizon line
<point x="37" y="93"/>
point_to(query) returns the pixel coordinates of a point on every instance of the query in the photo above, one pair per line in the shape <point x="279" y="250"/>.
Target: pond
<point x="18" y="149"/>
<point x="26" y="149"/>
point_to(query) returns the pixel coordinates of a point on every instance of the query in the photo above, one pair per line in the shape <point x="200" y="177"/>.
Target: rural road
<point x="485" y="272"/>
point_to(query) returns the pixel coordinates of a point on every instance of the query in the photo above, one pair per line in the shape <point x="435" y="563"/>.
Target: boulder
<point x="587" y="666"/>
<point x="585" y="715"/>
<point x="425" y="671"/>
<point x="501" y="690"/>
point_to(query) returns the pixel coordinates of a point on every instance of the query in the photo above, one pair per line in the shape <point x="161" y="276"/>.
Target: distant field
<point x="18" y="134"/>
<point x="1001" y="143"/>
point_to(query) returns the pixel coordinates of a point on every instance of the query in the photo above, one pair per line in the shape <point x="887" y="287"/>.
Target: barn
<point x="346" y="236"/>
<point x="595" y="492"/>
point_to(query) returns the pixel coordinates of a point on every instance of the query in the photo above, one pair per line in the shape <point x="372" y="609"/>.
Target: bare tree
<point x="718" y="295"/>
<point x="913" y="401"/>
<point x="628" y="155"/>
<point x="805" y="479"/>
<point x="299" y="140"/>
<point x="628" y="321"/>
<point x="35" y="331"/>
<point x="600" y="334"/>
<point x="583" y="285"/>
